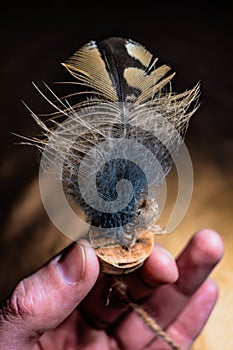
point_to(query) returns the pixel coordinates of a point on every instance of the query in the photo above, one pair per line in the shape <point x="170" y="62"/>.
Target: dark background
<point x="194" y="38"/>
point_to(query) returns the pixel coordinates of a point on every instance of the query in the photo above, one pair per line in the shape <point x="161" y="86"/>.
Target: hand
<point x="42" y="311"/>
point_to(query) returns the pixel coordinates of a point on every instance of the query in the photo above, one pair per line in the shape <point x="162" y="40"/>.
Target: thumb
<point x="43" y="300"/>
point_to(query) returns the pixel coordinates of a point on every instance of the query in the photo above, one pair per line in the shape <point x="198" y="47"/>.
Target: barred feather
<point x="126" y="101"/>
<point x="120" y="70"/>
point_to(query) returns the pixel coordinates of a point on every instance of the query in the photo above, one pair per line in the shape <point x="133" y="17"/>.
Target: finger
<point x="192" y="319"/>
<point x="134" y="334"/>
<point x="196" y="262"/>
<point x="203" y="252"/>
<point x="43" y="300"/>
<point x="65" y="333"/>
<point x="158" y="269"/>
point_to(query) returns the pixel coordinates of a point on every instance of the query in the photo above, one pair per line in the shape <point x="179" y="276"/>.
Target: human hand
<point x="42" y="311"/>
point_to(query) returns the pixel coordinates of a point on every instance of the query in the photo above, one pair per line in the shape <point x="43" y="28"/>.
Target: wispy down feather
<point x="126" y="100"/>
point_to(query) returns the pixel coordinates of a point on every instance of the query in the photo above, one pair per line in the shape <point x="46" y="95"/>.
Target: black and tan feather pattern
<point x="126" y="100"/>
<point x="119" y="69"/>
<point x="122" y="70"/>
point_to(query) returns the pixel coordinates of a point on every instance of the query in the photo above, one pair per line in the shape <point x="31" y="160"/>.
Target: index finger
<point x="104" y="305"/>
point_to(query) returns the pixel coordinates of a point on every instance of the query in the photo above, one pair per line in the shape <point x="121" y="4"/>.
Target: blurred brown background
<point x="195" y="39"/>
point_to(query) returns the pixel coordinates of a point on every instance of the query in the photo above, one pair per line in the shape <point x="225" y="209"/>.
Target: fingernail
<point x="71" y="264"/>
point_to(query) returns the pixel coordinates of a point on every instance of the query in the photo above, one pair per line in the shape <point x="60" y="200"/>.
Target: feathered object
<point x="114" y="149"/>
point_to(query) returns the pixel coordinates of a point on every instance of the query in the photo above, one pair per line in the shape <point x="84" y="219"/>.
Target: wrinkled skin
<point x="67" y="305"/>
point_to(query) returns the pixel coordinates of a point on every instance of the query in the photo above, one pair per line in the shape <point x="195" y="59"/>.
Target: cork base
<point x="117" y="259"/>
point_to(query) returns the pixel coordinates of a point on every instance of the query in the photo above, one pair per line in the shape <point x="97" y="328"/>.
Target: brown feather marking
<point x="87" y="66"/>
